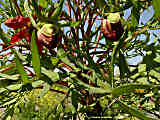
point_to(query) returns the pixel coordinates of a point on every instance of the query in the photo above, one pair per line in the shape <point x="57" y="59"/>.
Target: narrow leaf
<point x="123" y="66"/>
<point x="2" y="90"/>
<point x="93" y="90"/>
<point x="133" y="111"/>
<point x="63" y="56"/>
<point x="37" y="83"/>
<point x="9" y="102"/>
<point x="54" y="76"/>
<point x="58" y="10"/>
<point x="71" y="24"/>
<point x="29" y="12"/>
<point x="21" y="70"/>
<point x="10" y="77"/>
<point x="35" y="55"/>
<point x="129" y="88"/>
<point x="156" y="4"/>
<point x="14" y="87"/>
<point x="157" y="59"/>
<point x="75" y="99"/>
<point x="46" y="88"/>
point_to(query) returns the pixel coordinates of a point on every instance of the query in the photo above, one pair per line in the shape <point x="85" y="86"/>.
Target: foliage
<point x="74" y="59"/>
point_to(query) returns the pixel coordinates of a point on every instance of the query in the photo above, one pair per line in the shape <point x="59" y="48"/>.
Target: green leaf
<point x="21" y="70"/>
<point x="156" y="4"/>
<point x="63" y="56"/>
<point x="130" y="88"/>
<point x="142" y="68"/>
<point x="46" y="62"/>
<point x="70" y="24"/>
<point x="9" y="102"/>
<point x="75" y="98"/>
<point x="43" y="3"/>
<point x="135" y="16"/>
<point x="123" y="66"/>
<point x="29" y="12"/>
<point x="54" y="76"/>
<point x="113" y="58"/>
<point x="35" y="55"/>
<point x="14" y="87"/>
<point x="46" y="88"/>
<point x="100" y="3"/>
<point x="3" y="36"/>
<point x="54" y="61"/>
<point x="37" y="83"/>
<point x="3" y="4"/>
<point x="10" y="77"/>
<point x="12" y="9"/>
<point x="58" y="10"/>
<point x="93" y="90"/>
<point x="133" y="111"/>
<point x="157" y="59"/>
<point x="21" y="57"/>
<point x="2" y="90"/>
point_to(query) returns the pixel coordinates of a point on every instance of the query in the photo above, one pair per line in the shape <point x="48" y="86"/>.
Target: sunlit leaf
<point x="54" y="61"/>
<point x="14" y="87"/>
<point x="71" y="24"/>
<point x="2" y="90"/>
<point x="54" y="76"/>
<point x="10" y="77"/>
<point x="43" y="3"/>
<point x="142" y="68"/>
<point x="9" y="102"/>
<point x="37" y="83"/>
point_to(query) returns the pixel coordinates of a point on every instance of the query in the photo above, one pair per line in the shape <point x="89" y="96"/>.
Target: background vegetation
<point x="60" y="60"/>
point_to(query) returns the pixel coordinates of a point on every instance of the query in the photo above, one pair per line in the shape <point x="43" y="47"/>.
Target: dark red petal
<point x="15" y="38"/>
<point x="40" y="47"/>
<point x="19" y="36"/>
<point x="17" y="22"/>
<point x="28" y="37"/>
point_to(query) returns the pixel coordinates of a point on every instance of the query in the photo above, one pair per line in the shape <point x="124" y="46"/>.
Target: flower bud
<point x="48" y="36"/>
<point x="111" y="27"/>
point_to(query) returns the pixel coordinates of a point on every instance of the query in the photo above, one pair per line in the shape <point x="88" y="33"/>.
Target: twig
<point x="53" y="90"/>
<point x="5" y="54"/>
<point x="5" y="69"/>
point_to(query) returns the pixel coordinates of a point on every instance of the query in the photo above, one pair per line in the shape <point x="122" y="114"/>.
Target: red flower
<point x="20" y="35"/>
<point x="18" y="22"/>
<point x="25" y="25"/>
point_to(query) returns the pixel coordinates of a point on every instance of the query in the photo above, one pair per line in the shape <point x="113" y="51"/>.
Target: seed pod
<point x="48" y="36"/>
<point x="111" y="27"/>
